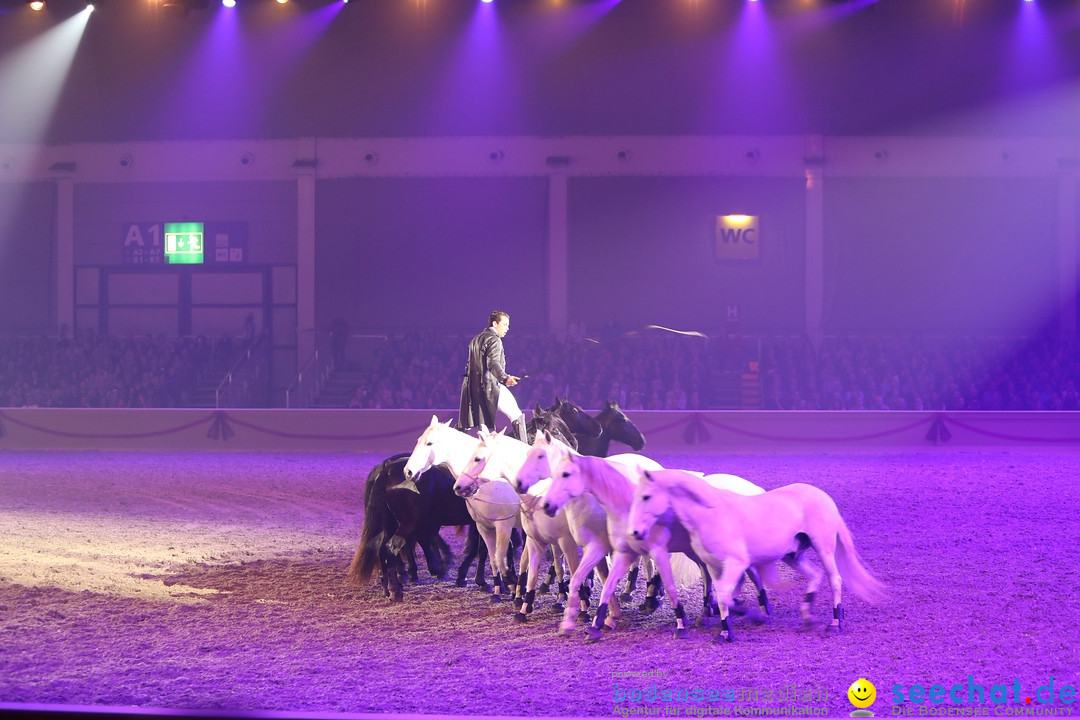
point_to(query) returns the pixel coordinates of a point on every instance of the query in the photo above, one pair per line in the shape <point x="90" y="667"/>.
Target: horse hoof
<point x="722" y="637"/>
<point x="484" y="587"/>
<point x="625" y="597"/>
<point x="460" y="582"/>
<point x="520" y="617"/>
<point x="833" y="629"/>
<point x="567" y="630"/>
<point x="496" y="599"/>
<point x="558" y="607"/>
<point x="397" y="597"/>
<point x="518" y="602"/>
<point x="544" y="588"/>
<point x="592" y="634"/>
<point x="738" y="608"/>
<point x="650" y="605"/>
<point x="681" y="633"/>
<point x="583" y="616"/>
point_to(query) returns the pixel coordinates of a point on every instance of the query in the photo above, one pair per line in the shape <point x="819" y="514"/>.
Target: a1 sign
<point x="142" y="244"/>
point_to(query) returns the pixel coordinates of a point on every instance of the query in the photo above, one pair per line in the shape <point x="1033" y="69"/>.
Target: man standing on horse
<point x="485" y="389"/>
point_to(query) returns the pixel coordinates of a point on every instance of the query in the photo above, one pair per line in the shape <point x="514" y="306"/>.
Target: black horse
<point x="594" y="434"/>
<point x="399" y="513"/>
<point x="553" y="421"/>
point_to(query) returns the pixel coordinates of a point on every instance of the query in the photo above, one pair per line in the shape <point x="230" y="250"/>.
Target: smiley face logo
<point x="862" y="694"/>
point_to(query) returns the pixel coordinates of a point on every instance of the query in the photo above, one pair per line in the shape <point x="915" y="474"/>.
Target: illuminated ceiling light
<point x="37" y="4"/>
<point x="90" y="7"/>
<point x="486" y="1"/>
<point x="282" y="2"/>
<point x="229" y="3"/>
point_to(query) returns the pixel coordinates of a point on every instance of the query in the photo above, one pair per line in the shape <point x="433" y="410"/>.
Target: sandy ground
<point x="217" y="581"/>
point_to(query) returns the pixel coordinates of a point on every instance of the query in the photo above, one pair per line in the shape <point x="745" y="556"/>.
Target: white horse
<point x="613" y="488"/>
<point x="495" y="510"/>
<point x="733" y="532"/>
<point x="613" y="485"/>
<point x="546" y="452"/>
<point x="496" y="460"/>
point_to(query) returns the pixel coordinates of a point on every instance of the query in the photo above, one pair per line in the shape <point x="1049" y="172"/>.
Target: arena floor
<point x="217" y="582"/>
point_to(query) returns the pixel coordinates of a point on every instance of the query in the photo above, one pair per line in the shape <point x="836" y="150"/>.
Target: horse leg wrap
<point x="807" y="602"/>
<point x="497" y="588"/>
<point x="593" y="631"/>
<point x="546" y="585"/>
<point x="838" y="617"/>
<point x="522" y="583"/>
<point x="655" y="586"/>
<point x="584" y="593"/>
<point x="724" y="633"/>
<point x="631" y="583"/>
<point x="563" y="593"/>
<point x="530" y="597"/>
<point x="680" y="622"/>
<point x="763" y="601"/>
<point x="601" y="615"/>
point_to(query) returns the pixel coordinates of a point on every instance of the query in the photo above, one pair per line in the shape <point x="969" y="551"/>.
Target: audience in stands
<point x="650" y="371"/>
<point x="91" y="370"/>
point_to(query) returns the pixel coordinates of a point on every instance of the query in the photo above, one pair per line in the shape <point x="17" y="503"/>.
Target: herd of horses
<point x="600" y="514"/>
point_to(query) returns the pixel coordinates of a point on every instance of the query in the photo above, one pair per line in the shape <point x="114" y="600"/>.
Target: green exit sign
<point x="184" y="243"/>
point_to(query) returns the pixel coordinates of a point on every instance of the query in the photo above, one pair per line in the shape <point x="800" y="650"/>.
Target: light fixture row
<point x="185" y="5"/>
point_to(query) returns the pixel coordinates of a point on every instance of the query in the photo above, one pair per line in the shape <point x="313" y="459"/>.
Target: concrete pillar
<point x="558" y="225"/>
<point x="815" y="251"/>
<point x="1067" y="241"/>
<point x="65" y="254"/>
<point x="305" y="268"/>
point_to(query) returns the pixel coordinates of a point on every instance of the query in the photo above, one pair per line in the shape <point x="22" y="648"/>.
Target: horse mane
<point x="702" y="493"/>
<point x="621" y="490"/>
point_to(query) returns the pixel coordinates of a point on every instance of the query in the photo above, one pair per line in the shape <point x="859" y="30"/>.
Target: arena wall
<point x="393" y="431"/>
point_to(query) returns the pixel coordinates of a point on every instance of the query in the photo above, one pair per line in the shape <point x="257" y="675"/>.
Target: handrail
<point x="307" y="383"/>
<point x="245" y="377"/>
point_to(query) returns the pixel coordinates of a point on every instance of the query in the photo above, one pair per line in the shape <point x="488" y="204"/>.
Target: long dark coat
<point x="484" y="373"/>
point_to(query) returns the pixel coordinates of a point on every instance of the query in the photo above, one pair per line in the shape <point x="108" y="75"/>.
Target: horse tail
<point x="377" y="524"/>
<point x="684" y="570"/>
<point x="854" y="575"/>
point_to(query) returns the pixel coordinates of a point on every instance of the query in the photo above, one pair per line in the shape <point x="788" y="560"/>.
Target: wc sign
<point x="737" y="237"/>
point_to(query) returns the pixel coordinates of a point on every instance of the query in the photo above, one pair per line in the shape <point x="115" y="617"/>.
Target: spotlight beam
<point x="32" y="77"/>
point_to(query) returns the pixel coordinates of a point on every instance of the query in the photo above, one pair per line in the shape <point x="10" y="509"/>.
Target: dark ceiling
<point x="550" y="67"/>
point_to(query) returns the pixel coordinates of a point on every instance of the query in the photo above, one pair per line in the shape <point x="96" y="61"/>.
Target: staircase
<point x="338" y="389"/>
<point x="203" y="395"/>
<point x="735" y="390"/>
